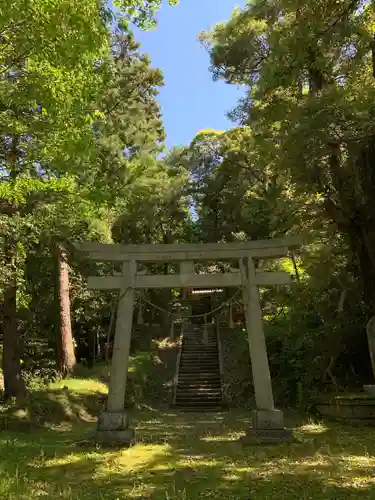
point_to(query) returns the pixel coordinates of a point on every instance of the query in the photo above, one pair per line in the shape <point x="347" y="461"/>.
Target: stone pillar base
<point x="113" y="429"/>
<point x="369" y="389"/>
<point x="267" y="419"/>
<point x="267" y="436"/>
<point x="268" y="428"/>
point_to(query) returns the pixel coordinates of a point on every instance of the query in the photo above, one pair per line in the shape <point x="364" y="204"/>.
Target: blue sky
<point x="190" y="100"/>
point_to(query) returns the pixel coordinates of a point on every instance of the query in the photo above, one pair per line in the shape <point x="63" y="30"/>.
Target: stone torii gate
<point x="113" y="423"/>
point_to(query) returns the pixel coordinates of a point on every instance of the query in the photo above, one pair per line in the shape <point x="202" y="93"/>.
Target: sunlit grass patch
<point x="312" y="428"/>
<point x="181" y="457"/>
<point x="83" y="386"/>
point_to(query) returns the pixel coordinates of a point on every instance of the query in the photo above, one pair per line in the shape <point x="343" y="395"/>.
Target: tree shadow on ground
<point x="192" y="456"/>
<point x="52" y="407"/>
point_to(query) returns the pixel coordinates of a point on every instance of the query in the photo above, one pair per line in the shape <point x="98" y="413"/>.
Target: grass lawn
<point x="177" y="456"/>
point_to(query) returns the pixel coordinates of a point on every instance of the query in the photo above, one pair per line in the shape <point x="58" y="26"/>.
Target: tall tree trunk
<point x="362" y="242"/>
<point x="14" y="386"/>
<point x="66" y="360"/>
<point x="366" y="258"/>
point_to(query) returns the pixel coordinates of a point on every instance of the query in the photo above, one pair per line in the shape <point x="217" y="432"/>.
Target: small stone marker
<point x="370" y="330"/>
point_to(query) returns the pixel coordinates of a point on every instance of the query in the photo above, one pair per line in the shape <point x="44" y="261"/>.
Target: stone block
<point x="113" y="421"/>
<point x="267" y="436"/>
<point x="369" y="389"/>
<point x="267" y="419"/>
<point x="124" y="437"/>
<point x="113" y="429"/>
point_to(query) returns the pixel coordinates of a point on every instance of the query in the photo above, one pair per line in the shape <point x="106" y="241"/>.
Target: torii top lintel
<point x="277" y="247"/>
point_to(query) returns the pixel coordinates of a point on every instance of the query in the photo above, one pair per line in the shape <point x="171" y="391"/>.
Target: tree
<point x="309" y="71"/>
<point x="129" y="131"/>
<point x="55" y="67"/>
<point x="66" y="360"/>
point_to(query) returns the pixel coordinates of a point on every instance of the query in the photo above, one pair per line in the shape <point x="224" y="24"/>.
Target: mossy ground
<point x="177" y="456"/>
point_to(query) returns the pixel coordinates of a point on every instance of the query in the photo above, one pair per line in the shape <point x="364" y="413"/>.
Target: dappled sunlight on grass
<point x="312" y="428"/>
<point x="87" y="386"/>
<point x="182" y="456"/>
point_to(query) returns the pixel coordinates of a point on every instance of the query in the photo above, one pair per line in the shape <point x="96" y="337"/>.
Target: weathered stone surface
<point x="267" y="436"/>
<point x="113" y="429"/>
<point x="349" y="408"/>
<point x="267" y="419"/>
<point x="369" y="389"/>
<point x="125" y="437"/>
<point x="113" y="421"/>
<point x="370" y="330"/>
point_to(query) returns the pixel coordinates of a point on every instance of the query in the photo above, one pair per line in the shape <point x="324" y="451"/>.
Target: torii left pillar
<point x="113" y="423"/>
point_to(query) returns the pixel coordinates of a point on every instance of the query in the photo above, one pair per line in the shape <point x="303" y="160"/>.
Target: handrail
<point x="221" y="361"/>
<point x="178" y="361"/>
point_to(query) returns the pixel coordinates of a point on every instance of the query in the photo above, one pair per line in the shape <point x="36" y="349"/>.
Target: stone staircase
<point x="198" y="379"/>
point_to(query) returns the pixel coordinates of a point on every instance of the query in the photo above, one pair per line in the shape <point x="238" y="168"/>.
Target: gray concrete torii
<point x="113" y="423"/>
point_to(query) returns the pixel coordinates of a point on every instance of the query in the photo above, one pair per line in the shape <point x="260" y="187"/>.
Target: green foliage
<point x="310" y="103"/>
<point x="141" y="12"/>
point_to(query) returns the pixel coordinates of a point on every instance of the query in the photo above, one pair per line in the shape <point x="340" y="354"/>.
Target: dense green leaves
<point x="141" y="12"/>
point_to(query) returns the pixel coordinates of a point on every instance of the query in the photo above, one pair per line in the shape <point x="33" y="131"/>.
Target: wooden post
<point x="140" y="309"/>
<point x="121" y="347"/>
<point x="205" y="331"/>
<point x="187" y="270"/>
<point x="257" y="342"/>
<point x="171" y="332"/>
<point x="231" y="324"/>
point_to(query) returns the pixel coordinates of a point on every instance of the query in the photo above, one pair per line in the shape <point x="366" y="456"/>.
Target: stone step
<point x="200" y="338"/>
<point x="198" y="398"/>
<point x="201" y="359"/>
<point x="200" y="371"/>
<point x="199" y="345"/>
<point x="195" y="395"/>
<point x="198" y="401"/>
<point x="200" y="350"/>
<point x="197" y="362"/>
<point x="198" y="383"/>
<point x="204" y="409"/>
<point x="197" y="333"/>
<point x="200" y="388"/>
<point x="193" y="361"/>
<point x="198" y="367"/>
<point x="207" y="375"/>
<point x="202" y="382"/>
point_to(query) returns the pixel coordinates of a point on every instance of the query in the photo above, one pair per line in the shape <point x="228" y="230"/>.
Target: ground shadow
<point x="193" y="456"/>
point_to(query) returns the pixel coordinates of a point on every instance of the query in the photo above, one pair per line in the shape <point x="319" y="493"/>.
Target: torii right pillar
<point x="267" y="422"/>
